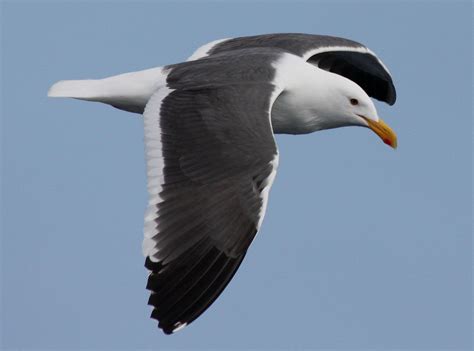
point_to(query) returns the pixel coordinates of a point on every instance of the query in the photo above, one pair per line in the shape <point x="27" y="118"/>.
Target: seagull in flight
<point x="209" y="126"/>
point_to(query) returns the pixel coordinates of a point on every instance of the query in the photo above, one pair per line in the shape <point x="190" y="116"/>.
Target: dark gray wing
<point x="338" y="55"/>
<point x="211" y="160"/>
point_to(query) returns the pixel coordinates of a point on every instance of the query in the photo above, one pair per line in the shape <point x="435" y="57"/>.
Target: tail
<point x="128" y="91"/>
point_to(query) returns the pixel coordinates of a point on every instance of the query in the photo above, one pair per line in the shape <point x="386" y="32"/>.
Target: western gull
<point x="209" y="127"/>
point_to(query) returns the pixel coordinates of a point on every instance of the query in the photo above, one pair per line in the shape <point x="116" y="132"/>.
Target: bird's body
<point x="211" y="154"/>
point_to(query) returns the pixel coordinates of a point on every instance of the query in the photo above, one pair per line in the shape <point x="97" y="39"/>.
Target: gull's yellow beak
<point x="383" y="131"/>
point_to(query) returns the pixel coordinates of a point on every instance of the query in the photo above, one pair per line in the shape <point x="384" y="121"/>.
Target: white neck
<point x="301" y="107"/>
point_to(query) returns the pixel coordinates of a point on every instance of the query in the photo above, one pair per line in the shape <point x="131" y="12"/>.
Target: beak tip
<point x="392" y="143"/>
<point x="383" y="131"/>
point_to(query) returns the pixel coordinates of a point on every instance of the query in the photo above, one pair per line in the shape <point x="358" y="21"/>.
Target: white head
<point x="316" y="99"/>
<point x="339" y="102"/>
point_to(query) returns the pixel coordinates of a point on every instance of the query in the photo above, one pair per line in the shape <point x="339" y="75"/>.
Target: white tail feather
<point x="79" y="89"/>
<point x="128" y="91"/>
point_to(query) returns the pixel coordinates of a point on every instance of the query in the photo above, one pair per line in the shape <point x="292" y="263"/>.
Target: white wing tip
<point x="178" y="326"/>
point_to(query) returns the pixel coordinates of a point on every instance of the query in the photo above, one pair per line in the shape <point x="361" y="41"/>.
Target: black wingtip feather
<point x="180" y="301"/>
<point x="363" y="69"/>
<point x="213" y="292"/>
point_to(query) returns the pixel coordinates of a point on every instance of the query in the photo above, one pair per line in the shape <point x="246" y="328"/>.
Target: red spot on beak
<point x="387" y="141"/>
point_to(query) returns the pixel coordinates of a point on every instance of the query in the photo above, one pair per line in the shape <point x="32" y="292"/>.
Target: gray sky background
<point x="362" y="247"/>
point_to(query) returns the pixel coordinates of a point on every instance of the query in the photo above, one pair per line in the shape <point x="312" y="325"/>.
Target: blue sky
<point x="362" y="247"/>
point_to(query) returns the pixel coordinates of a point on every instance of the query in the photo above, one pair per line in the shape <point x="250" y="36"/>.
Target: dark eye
<point x="354" y="102"/>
